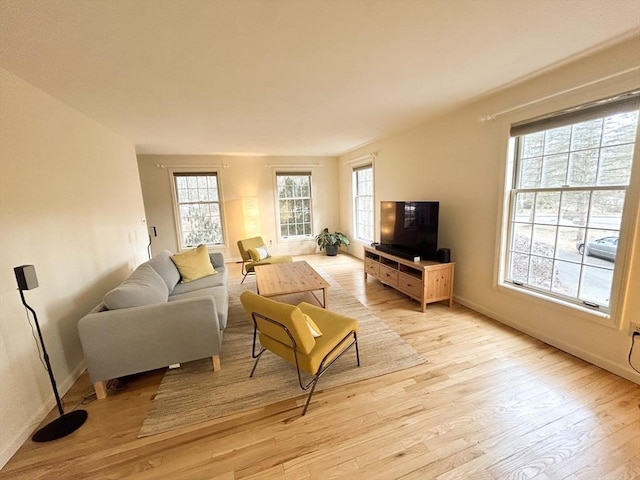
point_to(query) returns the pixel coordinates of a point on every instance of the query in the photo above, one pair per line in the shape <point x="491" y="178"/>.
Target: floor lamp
<point x="66" y="423"/>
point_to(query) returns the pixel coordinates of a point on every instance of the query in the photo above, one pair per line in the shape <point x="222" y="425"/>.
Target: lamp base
<point x="61" y="426"/>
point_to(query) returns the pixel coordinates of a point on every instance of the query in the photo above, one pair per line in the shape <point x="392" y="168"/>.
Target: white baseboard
<point x="38" y="416"/>
<point x="620" y="370"/>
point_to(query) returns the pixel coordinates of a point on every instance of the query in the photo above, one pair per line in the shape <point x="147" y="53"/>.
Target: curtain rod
<point x="369" y="156"/>
<point x="557" y="94"/>
<point x="301" y="165"/>
<point x="219" y="165"/>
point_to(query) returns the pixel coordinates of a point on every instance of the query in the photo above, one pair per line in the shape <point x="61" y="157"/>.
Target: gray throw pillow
<point x="143" y="287"/>
<point x="165" y="267"/>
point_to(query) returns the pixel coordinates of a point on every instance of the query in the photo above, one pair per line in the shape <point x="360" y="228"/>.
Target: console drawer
<point x="372" y="267"/>
<point x="388" y="275"/>
<point x="410" y="285"/>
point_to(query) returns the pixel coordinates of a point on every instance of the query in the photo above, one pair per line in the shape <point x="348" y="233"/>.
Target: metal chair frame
<point x="321" y="369"/>
<point x="245" y="259"/>
<point x="244" y="271"/>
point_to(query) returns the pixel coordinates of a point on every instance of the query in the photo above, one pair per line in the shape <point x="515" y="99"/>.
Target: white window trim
<point x="499" y="282"/>
<point x="174" y="196"/>
<point x="368" y="162"/>
<point x="276" y="202"/>
<point x="620" y="288"/>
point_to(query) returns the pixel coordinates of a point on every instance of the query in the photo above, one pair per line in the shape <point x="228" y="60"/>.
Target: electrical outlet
<point x="634" y="327"/>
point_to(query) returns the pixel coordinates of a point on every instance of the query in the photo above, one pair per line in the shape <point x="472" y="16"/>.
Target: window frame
<point x="177" y="172"/>
<point x="293" y="173"/>
<point x="609" y="315"/>
<point x="355" y="212"/>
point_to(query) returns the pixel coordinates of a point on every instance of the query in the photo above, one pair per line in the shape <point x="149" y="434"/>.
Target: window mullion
<point x="600" y="150"/>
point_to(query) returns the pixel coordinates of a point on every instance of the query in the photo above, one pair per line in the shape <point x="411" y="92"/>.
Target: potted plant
<point x="331" y="241"/>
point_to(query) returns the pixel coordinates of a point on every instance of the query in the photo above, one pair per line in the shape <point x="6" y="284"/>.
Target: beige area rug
<point x="193" y="393"/>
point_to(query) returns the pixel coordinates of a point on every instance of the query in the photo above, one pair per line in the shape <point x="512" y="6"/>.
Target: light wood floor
<point x="489" y="403"/>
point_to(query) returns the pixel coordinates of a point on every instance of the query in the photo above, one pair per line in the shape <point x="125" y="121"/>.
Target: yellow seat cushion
<point x="247" y="244"/>
<point x="250" y="267"/>
<point x="334" y="326"/>
<point x="251" y="245"/>
<point x="193" y="264"/>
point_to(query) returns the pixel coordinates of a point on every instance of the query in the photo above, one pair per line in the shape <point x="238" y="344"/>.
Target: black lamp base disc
<point x="61" y="426"/>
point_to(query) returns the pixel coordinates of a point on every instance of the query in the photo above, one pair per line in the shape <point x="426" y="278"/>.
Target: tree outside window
<point x="294" y="204"/>
<point x="567" y="202"/>
<point x="363" y="202"/>
<point x="199" y="211"/>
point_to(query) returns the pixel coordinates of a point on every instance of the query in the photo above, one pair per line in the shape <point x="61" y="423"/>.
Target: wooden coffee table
<point x="287" y="278"/>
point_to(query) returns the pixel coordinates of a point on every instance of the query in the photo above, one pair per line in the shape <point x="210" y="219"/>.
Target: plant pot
<point x="332" y="250"/>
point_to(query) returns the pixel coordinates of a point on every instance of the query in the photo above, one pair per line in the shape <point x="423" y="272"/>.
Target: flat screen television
<point x="409" y="229"/>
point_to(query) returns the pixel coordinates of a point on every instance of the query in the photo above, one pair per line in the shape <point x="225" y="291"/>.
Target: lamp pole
<point x="66" y="423"/>
<point x="44" y="354"/>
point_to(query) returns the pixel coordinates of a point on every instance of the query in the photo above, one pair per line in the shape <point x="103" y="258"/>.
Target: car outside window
<point x="566" y="203"/>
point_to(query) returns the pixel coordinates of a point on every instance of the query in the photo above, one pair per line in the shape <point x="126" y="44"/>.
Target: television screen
<point x="410" y="227"/>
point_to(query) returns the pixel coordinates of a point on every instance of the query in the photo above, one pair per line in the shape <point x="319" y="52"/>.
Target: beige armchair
<point x="254" y="252"/>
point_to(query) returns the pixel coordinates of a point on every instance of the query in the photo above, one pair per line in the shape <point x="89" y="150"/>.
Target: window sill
<point x="302" y="238"/>
<point x="559" y="305"/>
<point x="359" y="241"/>
<point x="212" y="247"/>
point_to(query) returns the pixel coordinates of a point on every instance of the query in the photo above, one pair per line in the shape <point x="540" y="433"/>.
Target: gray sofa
<point x="152" y="320"/>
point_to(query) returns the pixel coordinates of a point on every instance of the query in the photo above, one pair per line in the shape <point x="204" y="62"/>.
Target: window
<point x="571" y="174"/>
<point x="294" y="204"/>
<point x="199" y="215"/>
<point x="363" y="202"/>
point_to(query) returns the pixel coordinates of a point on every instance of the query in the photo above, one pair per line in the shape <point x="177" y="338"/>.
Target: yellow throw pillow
<point x="313" y="328"/>
<point x="255" y="256"/>
<point x="259" y="253"/>
<point x="193" y="264"/>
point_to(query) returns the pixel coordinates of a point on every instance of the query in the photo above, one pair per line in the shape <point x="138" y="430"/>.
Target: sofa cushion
<point x="163" y="265"/>
<point x="220" y="296"/>
<point x="217" y="280"/>
<point x="143" y="287"/>
<point x="193" y="264"/>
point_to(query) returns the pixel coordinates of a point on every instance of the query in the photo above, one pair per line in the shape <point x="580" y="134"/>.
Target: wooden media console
<point x="425" y="281"/>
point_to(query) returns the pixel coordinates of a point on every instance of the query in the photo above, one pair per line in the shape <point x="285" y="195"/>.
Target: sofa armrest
<point x="131" y="340"/>
<point x="217" y="259"/>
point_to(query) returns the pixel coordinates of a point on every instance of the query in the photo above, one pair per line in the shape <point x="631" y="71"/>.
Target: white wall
<point x="244" y="178"/>
<point x="460" y="161"/>
<point x="70" y="204"/>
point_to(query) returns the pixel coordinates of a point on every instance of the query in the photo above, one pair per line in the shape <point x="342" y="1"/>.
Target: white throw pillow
<point x="313" y="328"/>
<point x="259" y="253"/>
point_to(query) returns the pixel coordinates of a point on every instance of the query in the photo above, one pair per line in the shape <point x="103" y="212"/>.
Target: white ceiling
<point x="289" y="77"/>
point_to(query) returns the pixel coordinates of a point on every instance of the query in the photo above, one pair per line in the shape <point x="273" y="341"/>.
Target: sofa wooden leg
<point x="101" y="390"/>
<point x="216" y="362"/>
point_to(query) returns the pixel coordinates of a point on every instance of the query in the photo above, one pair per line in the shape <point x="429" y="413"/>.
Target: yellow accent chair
<point x="254" y="252"/>
<point x="283" y="329"/>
